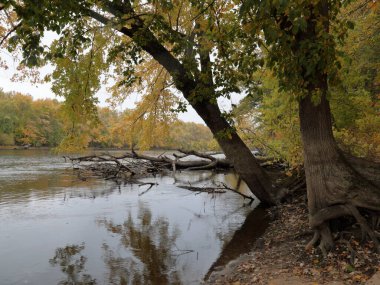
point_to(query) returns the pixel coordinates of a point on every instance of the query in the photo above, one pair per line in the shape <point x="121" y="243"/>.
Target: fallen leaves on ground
<point x="280" y="252"/>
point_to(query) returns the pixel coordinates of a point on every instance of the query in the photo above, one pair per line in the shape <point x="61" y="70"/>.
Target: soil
<point x="279" y="256"/>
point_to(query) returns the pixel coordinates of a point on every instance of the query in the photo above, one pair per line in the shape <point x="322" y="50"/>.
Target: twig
<point x="150" y="187"/>
<point x="237" y="192"/>
<point x="210" y="190"/>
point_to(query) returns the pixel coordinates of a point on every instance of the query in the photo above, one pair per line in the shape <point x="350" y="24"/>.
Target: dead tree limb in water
<point x="202" y="161"/>
<point x="147" y="190"/>
<point x="206" y="189"/>
<point x="131" y="166"/>
<point x="218" y="189"/>
<point x="178" y="160"/>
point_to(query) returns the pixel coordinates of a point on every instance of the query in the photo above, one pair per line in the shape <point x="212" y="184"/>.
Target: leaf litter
<point x="279" y="256"/>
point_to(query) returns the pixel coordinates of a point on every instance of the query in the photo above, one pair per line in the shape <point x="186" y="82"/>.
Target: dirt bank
<point x="279" y="256"/>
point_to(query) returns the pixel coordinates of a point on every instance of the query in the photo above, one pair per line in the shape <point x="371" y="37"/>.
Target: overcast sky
<point x="42" y="91"/>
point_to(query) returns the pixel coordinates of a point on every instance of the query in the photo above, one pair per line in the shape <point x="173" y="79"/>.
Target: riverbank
<point x="22" y="147"/>
<point x="279" y="256"/>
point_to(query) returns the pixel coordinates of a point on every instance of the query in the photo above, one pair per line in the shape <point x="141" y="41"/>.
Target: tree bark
<point x="334" y="187"/>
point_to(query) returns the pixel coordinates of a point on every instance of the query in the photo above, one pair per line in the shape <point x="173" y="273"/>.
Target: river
<point x="58" y="229"/>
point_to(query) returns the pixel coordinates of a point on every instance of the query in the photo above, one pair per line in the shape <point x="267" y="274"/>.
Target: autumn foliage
<point x="24" y="121"/>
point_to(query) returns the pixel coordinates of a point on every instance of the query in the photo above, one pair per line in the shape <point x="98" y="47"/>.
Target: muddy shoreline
<point x="279" y="255"/>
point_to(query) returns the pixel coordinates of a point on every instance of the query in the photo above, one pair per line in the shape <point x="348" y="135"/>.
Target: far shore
<point x="20" y="147"/>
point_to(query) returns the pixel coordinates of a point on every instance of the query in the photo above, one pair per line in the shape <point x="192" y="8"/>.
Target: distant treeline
<point x="24" y="121"/>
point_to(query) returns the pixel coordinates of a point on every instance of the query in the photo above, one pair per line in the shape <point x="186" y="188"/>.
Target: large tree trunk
<point x="334" y="187"/>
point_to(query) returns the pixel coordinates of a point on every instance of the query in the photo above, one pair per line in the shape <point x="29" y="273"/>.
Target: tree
<point x="181" y="36"/>
<point x="301" y="38"/>
<point x="269" y="119"/>
<point x="24" y="121"/>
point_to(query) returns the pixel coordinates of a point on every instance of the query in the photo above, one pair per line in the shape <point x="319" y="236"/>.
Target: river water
<point x="58" y="229"/>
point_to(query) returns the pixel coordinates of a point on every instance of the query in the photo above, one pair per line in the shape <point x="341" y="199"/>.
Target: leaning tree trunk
<point x="237" y="152"/>
<point x="334" y="187"/>
<point x="234" y="148"/>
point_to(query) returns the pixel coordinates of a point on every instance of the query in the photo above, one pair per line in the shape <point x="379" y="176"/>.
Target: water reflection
<point x="243" y="239"/>
<point x="29" y="175"/>
<point x="114" y="235"/>
<point x="193" y="177"/>
<point x="149" y="250"/>
<point x="72" y="264"/>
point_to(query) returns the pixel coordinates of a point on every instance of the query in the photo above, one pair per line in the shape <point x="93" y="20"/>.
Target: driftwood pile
<point x="131" y="166"/>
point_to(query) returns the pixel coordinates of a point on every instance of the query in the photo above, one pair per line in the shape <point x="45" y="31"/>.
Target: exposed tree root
<point x="348" y="190"/>
<point x="354" y="185"/>
<point x="314" y="240"/>
<point x="368" y="169"/>
<point x="366" y="230"/>
<point x="319" y="222"/>
<point x="288" y="187"/>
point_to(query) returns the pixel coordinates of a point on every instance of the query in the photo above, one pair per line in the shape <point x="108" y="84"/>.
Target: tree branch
<point x="148" y="42"/>
<point x="9" y="33"/>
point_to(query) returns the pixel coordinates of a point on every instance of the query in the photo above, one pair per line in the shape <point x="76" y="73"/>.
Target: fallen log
<point x="181" y="161"/>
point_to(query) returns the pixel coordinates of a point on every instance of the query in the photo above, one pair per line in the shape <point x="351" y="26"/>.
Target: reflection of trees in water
<point x="72" y="264"/>
<point x="151" y="259"/>
<point x="148" y="252"/>
<point x="242" y="240"/>
<point x="51" y="185"/>
<point x="89" y="193"/>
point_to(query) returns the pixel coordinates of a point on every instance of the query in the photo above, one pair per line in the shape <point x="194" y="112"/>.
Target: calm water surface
<point x="58" y="229"/>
